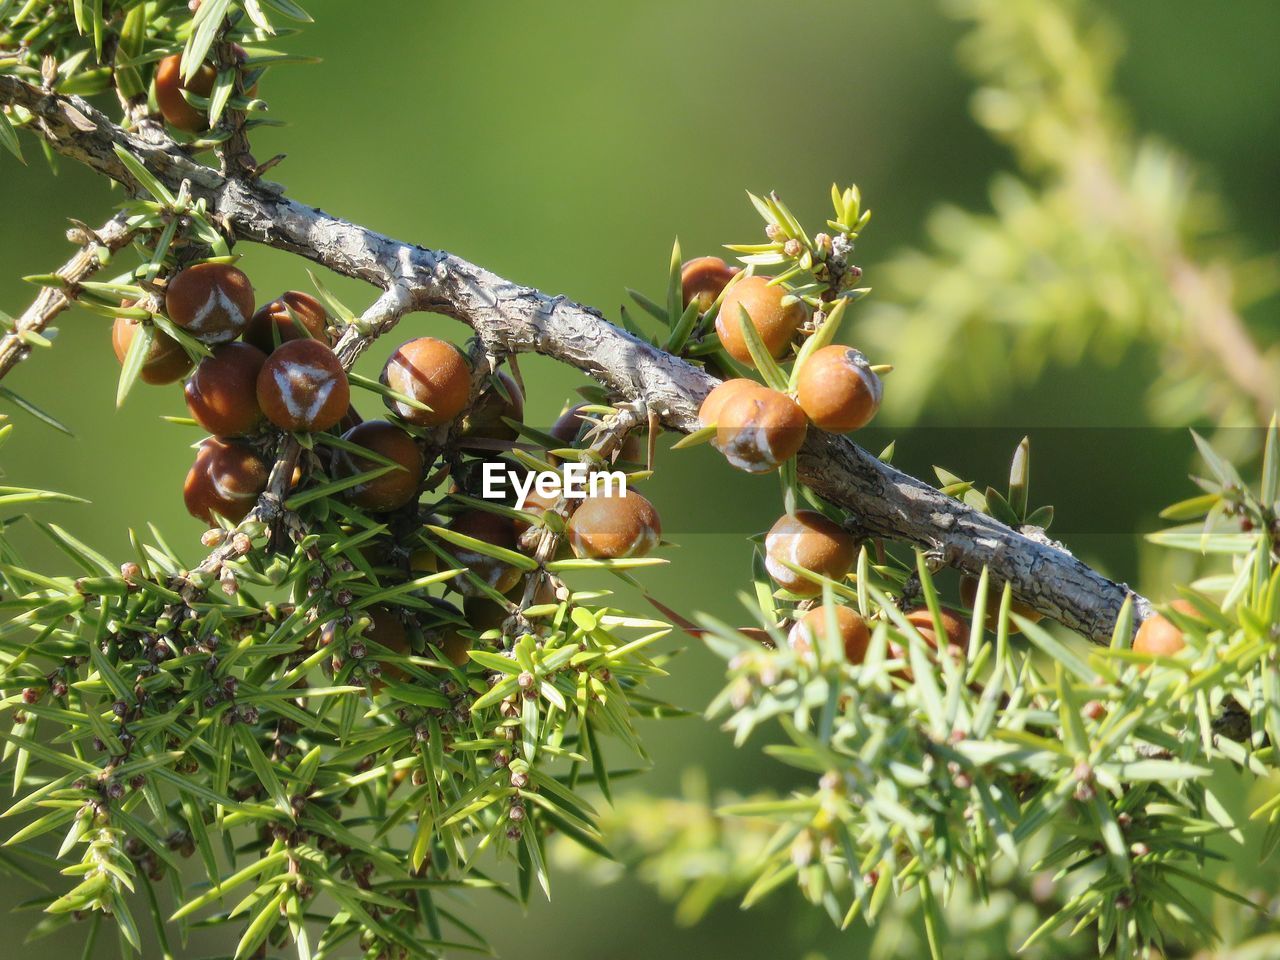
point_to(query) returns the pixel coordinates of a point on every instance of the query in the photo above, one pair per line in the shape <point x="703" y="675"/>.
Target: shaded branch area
<point x="510" y="318"/>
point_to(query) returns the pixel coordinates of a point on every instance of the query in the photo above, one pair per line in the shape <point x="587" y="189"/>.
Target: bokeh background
<point x="564" y="145"/>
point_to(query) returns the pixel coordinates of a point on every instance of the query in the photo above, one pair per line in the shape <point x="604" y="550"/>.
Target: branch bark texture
<point x="510" y="318"/>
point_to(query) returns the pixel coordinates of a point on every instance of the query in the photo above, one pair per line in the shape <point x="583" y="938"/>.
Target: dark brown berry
<point x="222" y="393"/>
<point x="166" y="360"/>
<point x="211" y="301"/>
<point x="487" y="419"/>
<point x="488" y="528"/>
<point x="291" y="316"/>
<point x="391" y="490"/>
<point x="303" y="387"/>
<point x="225" y="481"/>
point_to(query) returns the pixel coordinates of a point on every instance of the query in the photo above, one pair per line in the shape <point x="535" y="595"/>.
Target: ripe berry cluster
<point x="274" y="369"/>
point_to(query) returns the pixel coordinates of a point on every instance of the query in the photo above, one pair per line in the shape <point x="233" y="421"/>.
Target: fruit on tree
<point x="169" y="87"/>
<point x="775" y="320"/>
<point x="166" y="360"/>
<point x="702" y="279"/>
<point x="225" y="481"/>
<point x="303" y="387"/>
<point x="290" y="316"/>
<point x="759" y="430"/>
<point x="211" y="301"/>
<point x="222" y="393"/>
<point x="1159" y="636"/>
<point x="722" y="393"/>
<point x="487" y="418"/>
<point x="969" y="594"/>
<point x="393" y="489"/>
<point x="613" y="527"/>
<point x="807" y="632"/>
<point x="957" y="630"/>
<point x="809" y="540"/>
<point x="387" y="630"/>
<point x="838" y="390"/>
<point x="488" y="528"/>
<point x="432" y="372"/>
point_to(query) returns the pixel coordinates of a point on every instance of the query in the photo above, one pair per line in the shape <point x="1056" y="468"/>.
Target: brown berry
<point x="775" y="321"/>
<point x="166" y="360"/>
<point x="722" y="393"/>
<point x="489" y="528"/>
<point x="225" y="481"/>
<point x="956" y="629"/>
<point x="169" y="87"/>
<point x="211" y="301"/>
<point x="702" y="279"/>
<point x="387" y="630"/>
<point x="456" y="649"/>
<point x="433" y="372"/>
<point x="394" y="489"/>
<point x="1159" y="636"/>
<point x="838" y="390"/>
<point x="809" y="630"/>
<point x="487" y="419"/>
<point x="969" y="594"/>
<point x="808" y="540"/>
<point x="291" y="316"/>
<point x="612" y="527"/>
<point x="302" y="386"/>
<point x="759" y="430"/>
<point x="222" y="393"/>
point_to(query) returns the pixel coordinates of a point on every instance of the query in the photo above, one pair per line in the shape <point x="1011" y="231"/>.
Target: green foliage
<point x="1100" y="244"/>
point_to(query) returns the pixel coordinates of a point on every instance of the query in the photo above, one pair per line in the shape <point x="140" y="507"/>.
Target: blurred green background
<point x="564" y="145"/>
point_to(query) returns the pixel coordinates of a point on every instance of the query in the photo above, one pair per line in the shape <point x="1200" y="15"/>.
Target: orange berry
<point x="808" y="540"/>
<point x="759" y="430"/>
<point x="487" y="418"/>
<point x="612" y="527"/>
<point x="394" y="489"/>
<point x="702" y="279"/>
<point x="211" y="301"/>
<point x="166" y="360"/>
<point x="302" y="386"/>
<point x="1158" y="635"/>
<point x="489" y="528"/>
<point x="387" y="630"/>
<point x="290" y="316"/>
<point x="433" y="372"/>
<point x="838" y="390"/>
<point x="222" y="393"/>
<point x="722" y="393"/>
<point x="776" y="322"/>
<point x="225" y="481"/>
<point x="169" y="87"/>
<point x="809" y="630"/>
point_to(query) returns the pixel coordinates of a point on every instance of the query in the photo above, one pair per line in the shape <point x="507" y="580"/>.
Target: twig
<point x="15" y="346"/>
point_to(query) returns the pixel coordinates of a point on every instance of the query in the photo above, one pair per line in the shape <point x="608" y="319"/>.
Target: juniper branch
<point x="512" y="318"/>
<point x="15" y="346"/>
